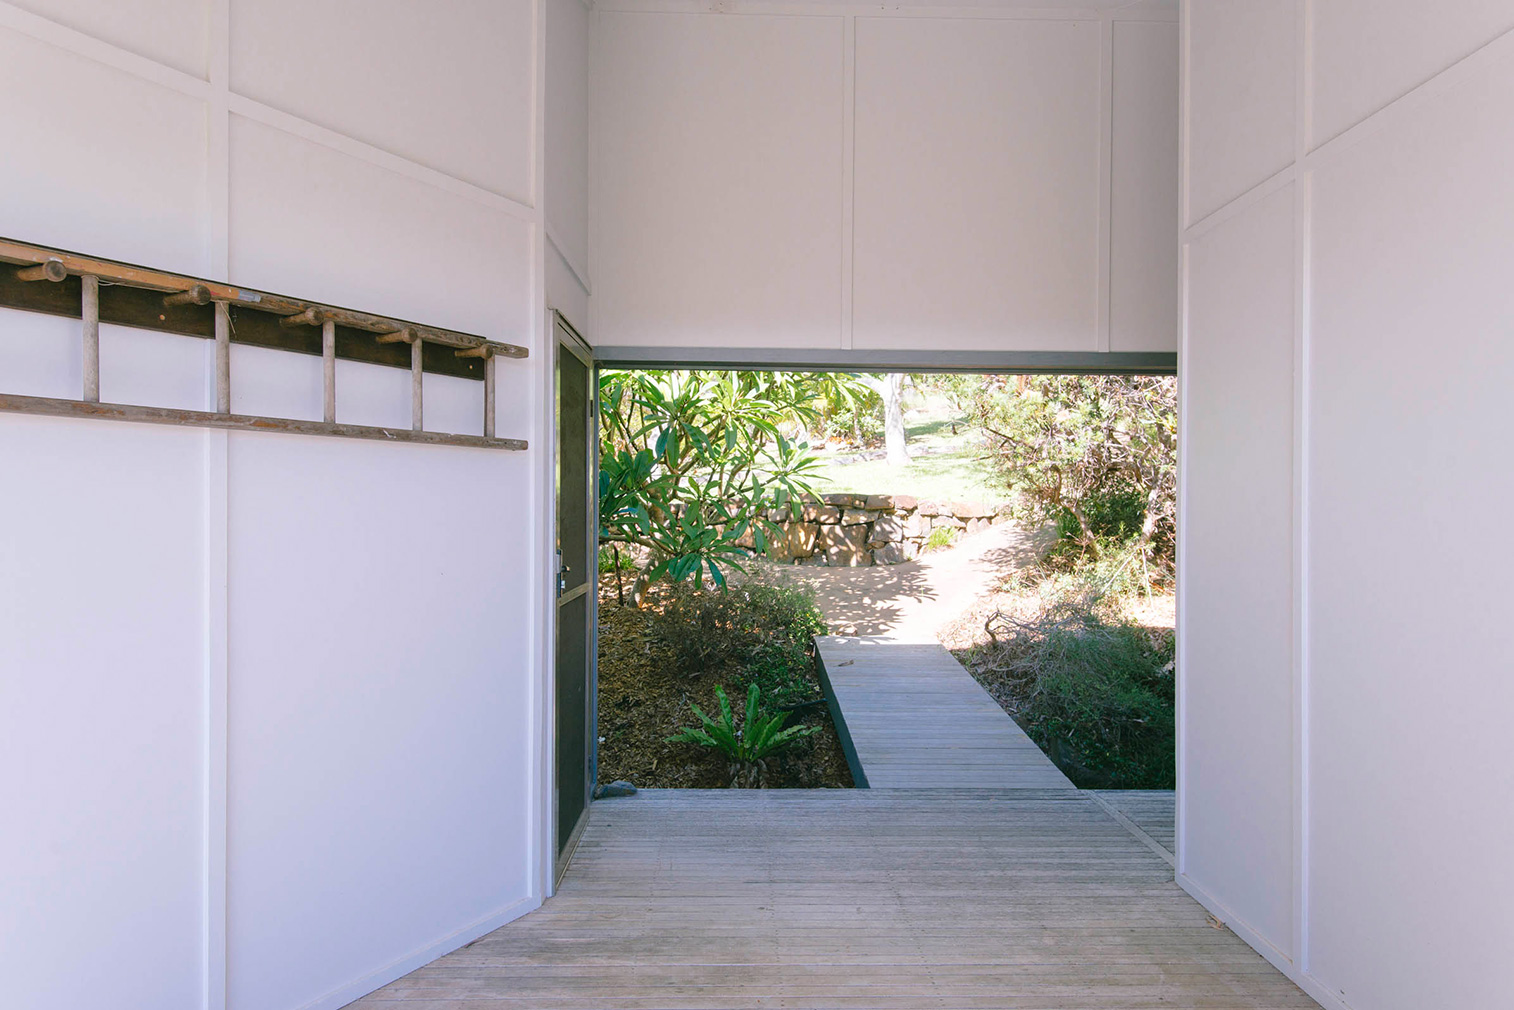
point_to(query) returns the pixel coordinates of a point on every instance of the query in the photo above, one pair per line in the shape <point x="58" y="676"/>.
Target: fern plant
<point x="746" y="748"/>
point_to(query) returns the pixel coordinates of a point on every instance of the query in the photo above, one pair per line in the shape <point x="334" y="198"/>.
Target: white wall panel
<point x="1369" y="52"/>
<point x="977" y="175"/>
<point x="1144" y="216"/>
<point x="1237" y="586"/>
<point x="379" y="717"/>
<point x="312" y="222"/>
<point x="381" y="714"/>
<point x="40" y="355"/>
<point x="456" y="404"/>
<point x="567" y="128"/>
<point x="1400" y="312"/>
<point x="717" y="174"/>
<point x="567" y="161"/>
<point x="903" y="179"/>
<point x="172" y="32"/>
<point x="103" y="600"/>
<point x="154" y="369"/>
<point x="101" y="714"/>
<point x="448" y="85"/>
<point x="99" y="161"/>
<point x="565" y="292"/>
<point x="1240" y="91"/>
<point x="379" y="395"/>
<point x="1412" y="893"/>
<point x="279" y="384"/>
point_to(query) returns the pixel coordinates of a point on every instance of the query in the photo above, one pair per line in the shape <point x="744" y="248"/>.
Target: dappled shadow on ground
<point x="917" y="598"/>
<point x="1022" y="552"/>
<point x="864" y="601"/>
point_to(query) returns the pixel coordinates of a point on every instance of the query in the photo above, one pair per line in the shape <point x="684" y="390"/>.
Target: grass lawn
<point x="953" y="471"/>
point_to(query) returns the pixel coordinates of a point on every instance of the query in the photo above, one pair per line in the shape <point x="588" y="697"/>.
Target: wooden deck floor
<point x="916" y="719"/>
<point x="890" y="899"/>
<point x="1149" y="812"/>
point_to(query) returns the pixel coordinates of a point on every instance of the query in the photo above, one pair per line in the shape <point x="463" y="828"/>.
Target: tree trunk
<point x="891" y="388"/>
<point x="639" y="589"/>
<point x="620" y="592"/>
<point x="893" y="419"/>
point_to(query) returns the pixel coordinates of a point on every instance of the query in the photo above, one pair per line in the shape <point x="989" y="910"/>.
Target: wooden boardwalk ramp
<point x="910" y="717"/>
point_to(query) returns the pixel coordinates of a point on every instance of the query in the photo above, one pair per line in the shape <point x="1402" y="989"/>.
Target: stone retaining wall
<point x="848" y="530"/>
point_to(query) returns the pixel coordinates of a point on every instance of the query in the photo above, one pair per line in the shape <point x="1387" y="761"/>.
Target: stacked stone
<point x="850" y="530"/>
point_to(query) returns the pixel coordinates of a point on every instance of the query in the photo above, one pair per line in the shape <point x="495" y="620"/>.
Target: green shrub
<point x="691" y="463"/>
<point x="757" y="634"/>
<point x="1114" y="512"/>
<point x="1112" y="569"/>
<point x="941" y="536"/>
<point x="613" y="559"/>
<point x="761" y="734"/>
<point x="859" y="421"/>
<point x="1096" y="454"/>
<point x="1096" y="695"/>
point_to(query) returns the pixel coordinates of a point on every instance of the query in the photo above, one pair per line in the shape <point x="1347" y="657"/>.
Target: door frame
<point x="566" y="338"/>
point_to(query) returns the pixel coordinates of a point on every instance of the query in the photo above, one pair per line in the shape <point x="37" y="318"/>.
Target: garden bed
<point x="645" y="689"/>
<point x="1090" y="681"/>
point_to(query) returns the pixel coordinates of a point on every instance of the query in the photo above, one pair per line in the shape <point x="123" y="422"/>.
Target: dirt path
<point x="911" y="602"/>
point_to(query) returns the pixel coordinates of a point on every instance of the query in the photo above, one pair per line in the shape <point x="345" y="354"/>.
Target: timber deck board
<point x="915" y="719"/>
<point x="1151" y="810"/>
<point x="859" y="899"/>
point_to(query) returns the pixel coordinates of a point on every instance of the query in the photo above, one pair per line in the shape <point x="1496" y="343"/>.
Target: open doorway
<point x="1022" y="523"/>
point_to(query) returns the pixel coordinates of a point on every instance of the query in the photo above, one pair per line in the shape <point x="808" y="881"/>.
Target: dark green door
<point x="577" y="574"/>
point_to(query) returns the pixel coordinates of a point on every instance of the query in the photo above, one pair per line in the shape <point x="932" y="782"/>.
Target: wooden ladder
<point x="180" y="304"/>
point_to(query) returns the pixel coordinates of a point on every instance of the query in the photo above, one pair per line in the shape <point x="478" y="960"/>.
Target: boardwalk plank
<point x="915" y="719"/>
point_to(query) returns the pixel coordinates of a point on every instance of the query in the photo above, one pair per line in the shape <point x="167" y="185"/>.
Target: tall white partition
<point x="102" y="684"/>
<point x="270" y="704"/>
<point x="566" y="160"/>
<point x="1238" y="574"/>
<point x="1344" y="763"/>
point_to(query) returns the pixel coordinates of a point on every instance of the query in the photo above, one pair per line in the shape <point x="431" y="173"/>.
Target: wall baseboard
<point x="344" y="994"/>
<point x="1313" y="987"/>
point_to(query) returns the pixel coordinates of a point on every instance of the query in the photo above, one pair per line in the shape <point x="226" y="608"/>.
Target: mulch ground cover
<point x="643" y="700"/>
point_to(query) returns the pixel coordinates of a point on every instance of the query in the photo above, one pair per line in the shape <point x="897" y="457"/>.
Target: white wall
<point x="1237" y="537"/>
<point x="834" y="176"/>
<point x="1344" y="758"/>
<point x="269" y="706"/>
<point x="567" y="160"/>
